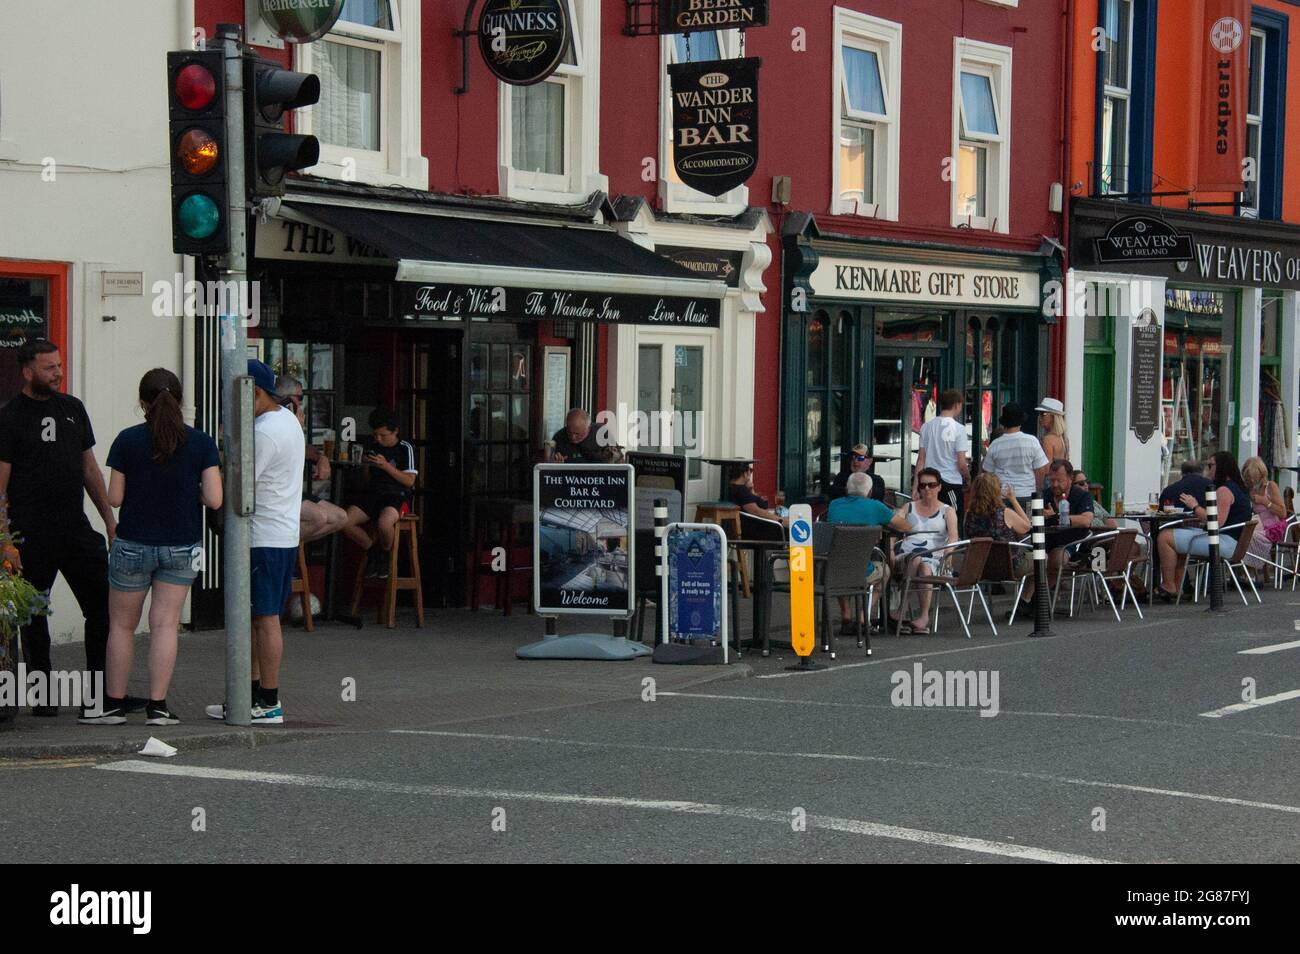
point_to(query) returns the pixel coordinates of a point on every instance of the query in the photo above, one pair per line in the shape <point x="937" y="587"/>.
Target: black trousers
<point x="79" y="553"/>
<point x="953" y="495"/>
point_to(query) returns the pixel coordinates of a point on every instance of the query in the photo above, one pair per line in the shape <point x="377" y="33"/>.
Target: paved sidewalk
<point x="460" y="666"/>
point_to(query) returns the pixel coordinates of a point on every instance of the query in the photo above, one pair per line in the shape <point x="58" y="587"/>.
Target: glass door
<point x="906" y="394"/>
<point x="672" y="403"/>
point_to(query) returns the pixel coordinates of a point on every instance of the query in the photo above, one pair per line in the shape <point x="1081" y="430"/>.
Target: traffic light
<point x="270" y="152"/>
<point x="197" y="119"/>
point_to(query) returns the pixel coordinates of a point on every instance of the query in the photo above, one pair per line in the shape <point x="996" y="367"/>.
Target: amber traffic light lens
<point x="197" y="151"/>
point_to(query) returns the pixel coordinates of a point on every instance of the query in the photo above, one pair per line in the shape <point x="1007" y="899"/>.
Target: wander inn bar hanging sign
<point x="688" y="16"/>
<point x="523" y="41"/>
<point x="715" y="123"/>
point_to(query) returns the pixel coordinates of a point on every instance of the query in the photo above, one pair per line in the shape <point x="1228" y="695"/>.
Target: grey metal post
<point x="661" y="526"/>
<point x="1042" y="597"/>
<point x="1216" y="565"/>
<point x="237" y="534"/>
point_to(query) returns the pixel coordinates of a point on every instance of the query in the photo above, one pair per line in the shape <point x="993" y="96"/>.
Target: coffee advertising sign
<point x="688" y="16"/>
<point x="523" y="41"/>
<point x="715" y="123"/>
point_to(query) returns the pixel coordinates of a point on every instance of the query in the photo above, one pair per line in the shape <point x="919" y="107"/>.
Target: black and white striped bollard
<point x="661" y="528"/>
<point x="1216" y="565"/>
<point x="1042" y="598"/>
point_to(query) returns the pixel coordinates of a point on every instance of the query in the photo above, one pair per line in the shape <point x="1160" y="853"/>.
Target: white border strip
<point x="1243" y="706"/>
<point x="1264" y="650"/>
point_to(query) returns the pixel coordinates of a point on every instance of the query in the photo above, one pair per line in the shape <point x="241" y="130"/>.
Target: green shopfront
<point x="874" y="331"/>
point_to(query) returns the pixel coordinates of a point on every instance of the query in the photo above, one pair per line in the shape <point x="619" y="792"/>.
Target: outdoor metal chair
<point x="974" y="554"/>
<point x="1000" y="568"/>
<point x="1116" y="567"/>
<point x="1199" y="566"/>
<point x="1287" y="550"/>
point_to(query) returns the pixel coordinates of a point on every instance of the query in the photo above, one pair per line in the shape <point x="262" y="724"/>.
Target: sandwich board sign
<point x="583" y="557"/>
<point x="693" y="598"/>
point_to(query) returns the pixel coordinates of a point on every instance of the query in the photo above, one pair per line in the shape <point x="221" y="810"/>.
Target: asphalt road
<point x="1101" y="751"/>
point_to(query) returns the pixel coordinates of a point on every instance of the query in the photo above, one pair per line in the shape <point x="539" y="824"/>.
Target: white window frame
<point x="994" y="61"/>
<point x="1256" y="120"/>
<point x="677" y="196"/>
<point x="581" y="84"/>
<point x="398" y="161"/>
<point x="1120" y="97"/>
<point x="885" y="39"/>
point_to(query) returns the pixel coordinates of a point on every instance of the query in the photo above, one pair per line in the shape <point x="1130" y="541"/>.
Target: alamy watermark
<point x="178" y="298"/>
<point x="946" y="689"/>
<point x="69" y="688"/>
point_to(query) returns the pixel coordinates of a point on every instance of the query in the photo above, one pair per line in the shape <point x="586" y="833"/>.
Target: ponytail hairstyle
<point x="160" y="393"/>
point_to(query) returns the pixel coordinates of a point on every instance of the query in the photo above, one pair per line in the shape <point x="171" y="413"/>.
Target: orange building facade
<point x="1180" y="304"/>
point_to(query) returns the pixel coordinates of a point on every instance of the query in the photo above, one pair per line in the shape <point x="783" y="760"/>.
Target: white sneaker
<point x="268" y="715"/>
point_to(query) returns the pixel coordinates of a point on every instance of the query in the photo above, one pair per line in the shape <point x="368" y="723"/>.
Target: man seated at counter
<point x="387" y="495"/>
<point x="740" y="491"/>
<point x="859" y="461"/>
<point x="576" y="442"/>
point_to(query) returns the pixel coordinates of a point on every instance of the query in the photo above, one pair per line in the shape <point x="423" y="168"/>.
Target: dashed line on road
<point x="853" y="826"/>
<point x="842" y="757"/>
<point x="1264" y="650"/>
<point x="1243" y="706"/>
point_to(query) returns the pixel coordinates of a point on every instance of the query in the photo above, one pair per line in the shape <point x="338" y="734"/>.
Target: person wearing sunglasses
<point x="933" y="524"/>
<point x="857" y="461"/>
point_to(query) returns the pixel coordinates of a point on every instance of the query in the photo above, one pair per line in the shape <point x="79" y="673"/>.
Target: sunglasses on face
<point x="928" y="485"/>
<point x="1081" y="483"/>
<point x="860" y="457"/>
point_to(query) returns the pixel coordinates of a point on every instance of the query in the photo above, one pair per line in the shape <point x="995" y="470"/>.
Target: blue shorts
<point x="134" y="567"/>
<point x="272" y="572"/>
<point x="1196" y="543"/>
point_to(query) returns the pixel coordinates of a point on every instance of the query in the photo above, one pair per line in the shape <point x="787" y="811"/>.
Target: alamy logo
<point x="77" y="907"/>
<point x="946" y="689"/>
<point x="59" y="688"/>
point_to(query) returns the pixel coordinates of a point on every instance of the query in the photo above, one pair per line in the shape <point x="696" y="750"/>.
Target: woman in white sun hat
<point x="1051" y="422"/>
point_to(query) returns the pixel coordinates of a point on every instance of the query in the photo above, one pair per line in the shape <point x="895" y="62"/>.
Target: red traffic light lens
<point x="195" y="87"/>
<point x="197" y="151"/>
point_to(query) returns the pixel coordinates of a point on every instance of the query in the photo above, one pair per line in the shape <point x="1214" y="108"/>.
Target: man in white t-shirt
<point x="278" y="452"/>
<point x="945" y="446"/>
<point x="1016" y="458"/>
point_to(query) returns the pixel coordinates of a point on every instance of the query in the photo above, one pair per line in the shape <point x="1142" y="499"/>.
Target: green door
<point x="1099" y="404"/>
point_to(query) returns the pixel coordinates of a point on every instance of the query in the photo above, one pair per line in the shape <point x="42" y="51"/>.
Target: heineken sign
<point x="523" y="41"/>
<point x="687" y="16"/>
<point x="715" y="123"/>
<point x="300" y="21"/>
<point x="1143" y="238"/>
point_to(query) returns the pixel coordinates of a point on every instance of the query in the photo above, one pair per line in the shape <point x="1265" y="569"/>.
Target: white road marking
<point x="1275" y="648"/>
<point x="838" y="757"/>
<point x="852" y="826"/>
<point x="1243" y="706"/>
<point x="941" y="709"/>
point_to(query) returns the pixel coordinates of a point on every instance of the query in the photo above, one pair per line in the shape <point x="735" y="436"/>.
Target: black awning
<point x="478" y="267"/>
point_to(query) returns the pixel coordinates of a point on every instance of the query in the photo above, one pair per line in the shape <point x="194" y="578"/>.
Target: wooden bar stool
<point x="407" y="525"/>
<point x="727" y="516"/>
<point x="302" y="588"/>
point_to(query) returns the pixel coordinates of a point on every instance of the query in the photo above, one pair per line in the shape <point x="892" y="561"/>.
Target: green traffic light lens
<point x="199" y="216"/>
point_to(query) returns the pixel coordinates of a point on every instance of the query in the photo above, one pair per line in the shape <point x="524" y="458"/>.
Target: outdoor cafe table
<point x="1152" y="521"/>
<point x="762" y="587"/>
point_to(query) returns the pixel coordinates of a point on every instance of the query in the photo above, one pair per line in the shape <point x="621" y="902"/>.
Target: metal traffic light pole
<point x="236" y="394"/>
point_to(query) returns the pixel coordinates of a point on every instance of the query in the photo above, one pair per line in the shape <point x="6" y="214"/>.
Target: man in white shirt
<point x="945" y="446"/>
<point x="1016" y="458"/>
<point x="278" y="452"/>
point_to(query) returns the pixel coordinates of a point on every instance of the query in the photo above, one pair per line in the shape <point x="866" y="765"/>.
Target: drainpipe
<point x="1056" y="338"/>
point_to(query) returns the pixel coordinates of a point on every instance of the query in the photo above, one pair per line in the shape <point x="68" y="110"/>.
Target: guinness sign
<point x="715" y="123"/>
<point x="687" y="16"/>
<point x="523" y="41"/>
<point x="1143" y="238"/>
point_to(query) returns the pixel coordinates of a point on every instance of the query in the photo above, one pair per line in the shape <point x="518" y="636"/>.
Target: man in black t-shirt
<point x="1193" y="481"/>
<point x="46" y="464"/>
<point x="387" y="494"/>
<point x="576" y="442"/>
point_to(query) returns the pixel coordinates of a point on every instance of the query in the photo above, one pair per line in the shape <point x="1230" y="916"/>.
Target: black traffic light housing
<point x="196" y="98"/>
<point x="269" y="92"/>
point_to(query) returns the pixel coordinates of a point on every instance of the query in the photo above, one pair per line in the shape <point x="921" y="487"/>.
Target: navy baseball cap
<point x="262" y="376"/>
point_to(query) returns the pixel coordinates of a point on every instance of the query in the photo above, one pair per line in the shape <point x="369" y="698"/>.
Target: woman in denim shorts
<point x="163" y="474"/>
